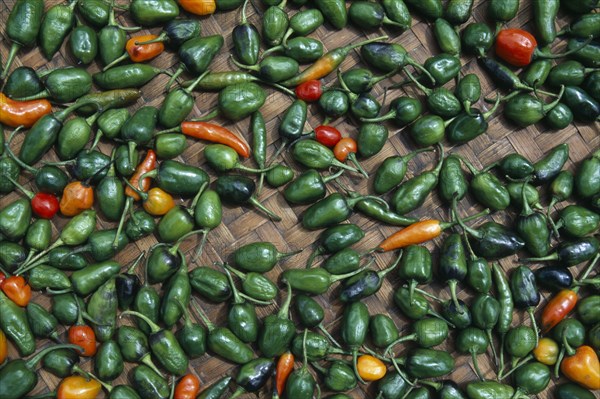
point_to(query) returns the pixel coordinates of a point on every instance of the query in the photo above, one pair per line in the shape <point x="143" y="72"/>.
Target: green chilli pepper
<point x="458" y="11"/>
<point x="43" y="323"/>
<point x="411" y="194"/>
<point x="525" y="293"/>
<point x="164" y="346"/>
<point x="335" y="239"/>
<point x="473" y="341"/>
<point x="134" y="346"/>
<point x="126" y="76"/>
<point x="446" y="37"/>
<point x="427" y="363"/>
<point x="192" y="336"/>
<point x="278" y="330"/>
<point x="14" y="323"/>
<point x="22" y="28"/>
<point x="223" y="342"/>
<point x="177" y="293"/>
<point x="427" y="333"/>
<point x="22" y="82"/>
<point x="56" y="25"/>
<point x="211" y="284"/>
<point x="149" y="383"/>
<point x="108" y="361"/>
<point x="453" y="263"/>
<point x="368" y="15"/>
<point x="551" y="164"/>
<point x="253" y="375"/>
<point x="533" y="229"/>
<point x="365" y="283"/>
<point x="334" y="12"/>
<point x="584" y="107"/>
<point x="246" y="40"/>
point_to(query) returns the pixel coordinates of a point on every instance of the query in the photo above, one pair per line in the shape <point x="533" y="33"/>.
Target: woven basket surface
<point x="242" y="225"/>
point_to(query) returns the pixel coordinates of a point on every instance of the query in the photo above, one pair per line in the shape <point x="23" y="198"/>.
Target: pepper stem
<point x="12" y="155"/>
<point x="390" y="115"/>
<point x="352" y="157"/>
<point x="488" y="114"/>
<point x="237" y="299"/>
<point x="312" y="257"/>
<point x="547" y="107"/>
<point x="359" y="44"/>
<point x="116" y="61"/>
<point x="174" y="77"/>
<point x="196" y="82"/>
<point x="476" y="366"/>
<point x="410" y="337"/>
<point x="285" y="307"/>
<point x="14" y="49"/>
<point x="209" y="325"/>
<point x="327" y="335"/>
<point x="154" y="328"/>
<point x="427" y="91"/>
<point x="272" y="215"/>
<point x="238" y="64"/>
<point x="452" y="284"/>
<point x="338" y="277"/>
<point x="200" y="249"/>
<point x="161" y="38"/>
<point x="491" y="339"/>
<point x="28" y="193"/>
<point x="128" y="205"/>
<point x="542" y="54"/>
<point x="333" y="176"/>
<point x="530" y="311"/>
<point x="549" y="218"/>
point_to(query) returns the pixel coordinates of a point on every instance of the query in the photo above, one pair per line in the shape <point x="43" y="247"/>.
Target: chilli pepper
<point x="583" y="367"/>
<point x="213" y="133"/>
<point x="561" y="304"/>
<point x="17" y="290"/>
<point x="326" y="64"/>
<point x="22" y="28"/>
<point x="309" y="91"/>
<point x="82" y="335"/>
<point x="285" y="365"/>
<point x="22" y="113"/>
<point x="411" y="194"/>
<point x="76" y="198"/>
<point x="137" y="52"/>
<point x="77" y="386"/>
<point x="238" y="190"/>
<point x="519" y="48"/>
<point x="204" y="7"/>
<point x="418" y="233"/>
<point x="164" y="346"/>
<point x="223" y="342"/>
<point x="278" y="330"/>
<point x="188" y="387"/>
<point x="43" y="205"/>
<point x="345" y="149"/>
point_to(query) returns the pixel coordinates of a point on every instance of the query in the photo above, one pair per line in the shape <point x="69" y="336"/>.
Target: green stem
<point x="272" y="215"/>
<point x="154" y="328"/>
<point x="209" y="325"/>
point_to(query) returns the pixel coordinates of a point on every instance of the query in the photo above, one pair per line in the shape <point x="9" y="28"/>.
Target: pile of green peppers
<point x="125" y="178"/>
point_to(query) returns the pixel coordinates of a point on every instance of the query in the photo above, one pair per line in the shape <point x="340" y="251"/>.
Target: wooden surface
<point x="243" y="225"/>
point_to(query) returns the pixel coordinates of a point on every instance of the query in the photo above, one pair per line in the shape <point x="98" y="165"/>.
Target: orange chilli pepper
<point x="3" y="347"/>
<point x="78" y="387"/>
<point x="187" y="387"/>
<point x="76" y="197"/>
<point x="147" y="165"/>
<point x="157" y="202"/>
<point x="370" y="368"/>
<point x="198" y="7"/>
<point x="138" y="50"/>
<point x="346" y="149"/>
<point x="17" y="289"/>
<point x="213" y="133"/>
<point x="285" y="366"/>
<point x="22" y="113"/>
<point x="583" y="368"/>
<point x="420" y="232"/>
<point x="546" y="351"/>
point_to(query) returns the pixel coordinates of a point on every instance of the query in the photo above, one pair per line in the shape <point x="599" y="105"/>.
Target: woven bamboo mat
<point x="243" y="225"/>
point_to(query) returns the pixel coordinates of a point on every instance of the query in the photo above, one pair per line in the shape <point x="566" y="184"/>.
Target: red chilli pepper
<point x="82" y="334"/>
<point x="43" y="205"/>
<point x="310" y="91"/>
<point x="519" y="48"/>
<point x="187" y="387"/>
<point x="558" y="308"/>
<point x="327" y="135"/>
